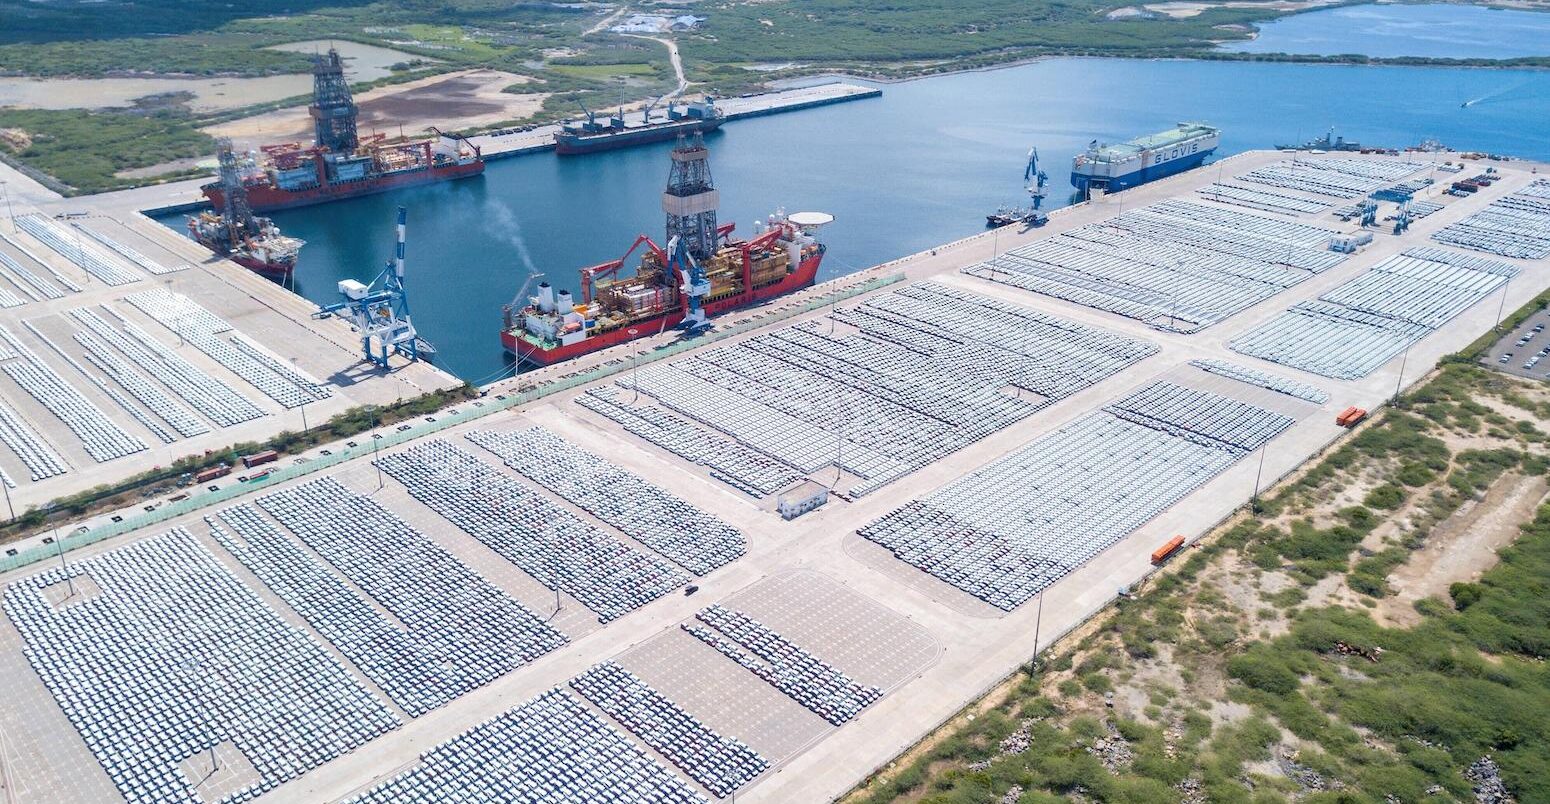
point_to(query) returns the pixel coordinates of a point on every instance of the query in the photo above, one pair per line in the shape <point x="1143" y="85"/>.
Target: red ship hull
<point x="273" y="269"/>
<point x="266" y="197"/>
<point x="806" y="272"/>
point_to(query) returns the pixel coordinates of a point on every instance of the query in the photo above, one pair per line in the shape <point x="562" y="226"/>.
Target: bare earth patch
<point x="449" y="102"/>
<point x="1181" y="9"/>
<point x="1462" y="547"/>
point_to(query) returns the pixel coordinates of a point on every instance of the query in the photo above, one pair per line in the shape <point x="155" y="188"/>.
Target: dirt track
<point x="1463" y="546"/>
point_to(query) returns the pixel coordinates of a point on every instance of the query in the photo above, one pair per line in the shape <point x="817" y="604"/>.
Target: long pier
<point x="541" y="138"/>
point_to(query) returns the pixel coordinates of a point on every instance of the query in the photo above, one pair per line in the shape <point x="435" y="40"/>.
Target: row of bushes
<point x="161" y="479"/>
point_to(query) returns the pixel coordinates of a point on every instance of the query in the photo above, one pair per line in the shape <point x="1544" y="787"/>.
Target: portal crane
<point x="696" y="284"/>
<point x="380" y="311"/>
<point x="1402" y="218"/>
<point x="1031" y="173"/>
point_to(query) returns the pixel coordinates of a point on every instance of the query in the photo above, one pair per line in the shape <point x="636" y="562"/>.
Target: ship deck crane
<point x="591" y="124"/>
<point x="380" y="311"/>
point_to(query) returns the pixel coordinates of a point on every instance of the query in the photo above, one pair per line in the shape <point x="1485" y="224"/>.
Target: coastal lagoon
<point x="1440" y="31"/>
<point x="920" y="166"/>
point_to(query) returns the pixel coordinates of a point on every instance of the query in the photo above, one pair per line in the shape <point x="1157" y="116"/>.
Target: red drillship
<point x="702" y="272"/>
<point x="237" y="234"/>
<point x="340" y="164"/>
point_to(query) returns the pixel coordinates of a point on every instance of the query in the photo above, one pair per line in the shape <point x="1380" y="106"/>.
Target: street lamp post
<point x="1400" y="381"/>
<point x="376" y="444"/>
<point x="1502" y="307"/>
<point x="634" y="375"/>
<point x="59" y="546"/>
<point x="1038" y="619"/>
<point x="9" y="213"/>
<point x="1258" y="473"/>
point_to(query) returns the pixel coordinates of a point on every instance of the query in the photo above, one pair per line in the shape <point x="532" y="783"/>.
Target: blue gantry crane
<point x="380" y="311"/>
<point x="696" y="285"/>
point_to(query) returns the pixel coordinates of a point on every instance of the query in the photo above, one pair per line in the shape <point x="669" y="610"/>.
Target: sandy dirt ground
<point x="210" y="94"/>
<point x="361" y="63"/>
<point x="1462" y="547"/>
<point x="1182" y="9"/>
<point x="450" y="101"/>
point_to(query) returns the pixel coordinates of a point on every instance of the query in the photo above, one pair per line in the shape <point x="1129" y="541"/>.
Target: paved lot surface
<point x="929" y="646"/>
<point x="277" y="320"/>
<point x="1520" y="345"/>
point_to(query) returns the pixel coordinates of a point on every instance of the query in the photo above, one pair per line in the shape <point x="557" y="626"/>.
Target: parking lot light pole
<point x="1502" y="307"/>
<point x="1038" y="619"/>
<point x="1400" y="381"/>
<point x="1258" y="474"/>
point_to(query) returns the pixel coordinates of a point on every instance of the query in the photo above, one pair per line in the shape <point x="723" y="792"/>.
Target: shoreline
<point x="810" y="79"/>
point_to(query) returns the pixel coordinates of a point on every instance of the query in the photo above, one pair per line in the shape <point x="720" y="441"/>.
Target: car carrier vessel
<point x="702" y="271"/>
<point x="340" y="163"/>
<point x="1116" y="167"/>
<point x="588" y="136"/>
<point x="236" y="233"/>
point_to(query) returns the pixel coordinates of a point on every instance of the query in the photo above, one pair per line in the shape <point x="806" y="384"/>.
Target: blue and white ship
<point x="1111" y="168"/>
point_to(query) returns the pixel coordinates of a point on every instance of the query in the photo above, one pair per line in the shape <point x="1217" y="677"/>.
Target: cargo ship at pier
<point x="701" y="272"/>
<point x="1111" y="168"/>
<point x="236" y="233"/>
<point x="340" y="163"/>
<point x="589" y="136"/>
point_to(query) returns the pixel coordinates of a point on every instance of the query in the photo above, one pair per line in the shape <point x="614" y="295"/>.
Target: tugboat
<point x="237" y="234"/>
<point x="1006" y="216"/>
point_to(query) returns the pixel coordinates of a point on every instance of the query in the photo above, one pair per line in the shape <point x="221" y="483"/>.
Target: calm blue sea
<point x="1432" y="31"/>
<point x="919" y="166"/>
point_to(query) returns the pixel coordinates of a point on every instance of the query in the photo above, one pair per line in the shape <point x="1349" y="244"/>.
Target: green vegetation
<point x="85" y="149"/>
<point x="919" y="30"/>
<point x="1274" y="664"/>
<point x="163" y="480"/>
<point x="548" y="43"/>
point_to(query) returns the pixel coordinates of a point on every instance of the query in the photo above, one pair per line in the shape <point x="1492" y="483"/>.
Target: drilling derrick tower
<point x="333" y="110"/>
<point x="691" y="199"/>
<point x="236" y="213"/>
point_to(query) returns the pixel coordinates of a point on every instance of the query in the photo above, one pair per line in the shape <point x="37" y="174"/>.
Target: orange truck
<point x="259" y="458"/>
<point x="1350" y="416"/>
<point x="220" y="470"/>
<point x="1170" y="547"/>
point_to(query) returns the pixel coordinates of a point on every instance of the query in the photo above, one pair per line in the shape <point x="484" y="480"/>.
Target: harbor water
<point x="920" y="166"/>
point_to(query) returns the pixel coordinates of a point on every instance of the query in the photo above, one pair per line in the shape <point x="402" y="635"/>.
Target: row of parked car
<point x="1528" y="338"/>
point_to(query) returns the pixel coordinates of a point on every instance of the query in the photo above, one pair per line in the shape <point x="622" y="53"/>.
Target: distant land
<point x="106" y="94"/>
